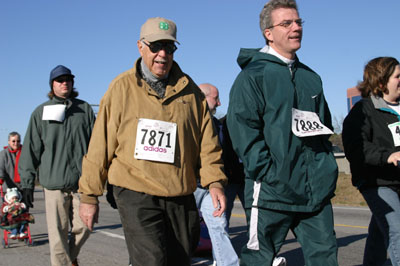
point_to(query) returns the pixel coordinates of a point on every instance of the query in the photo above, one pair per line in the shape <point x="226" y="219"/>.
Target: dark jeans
<point x="384" y="228"/>
<point x="159" y="231"/>
<point x="18" y="230"/>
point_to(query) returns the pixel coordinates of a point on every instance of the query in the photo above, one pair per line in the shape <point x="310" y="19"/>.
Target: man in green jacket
<point x="56" y="139"/>
<point x="279" y="123"/>
<point x="152" y="140"/>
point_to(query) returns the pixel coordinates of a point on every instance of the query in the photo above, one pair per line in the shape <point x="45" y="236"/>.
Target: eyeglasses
<point x="155" y="47"/>
<point x="63" y="79"/>
<point x="289" y="23"/>
<point x="18" y="141"/>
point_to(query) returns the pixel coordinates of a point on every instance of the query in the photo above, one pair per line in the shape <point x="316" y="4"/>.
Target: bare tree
<point x="336" y="138"/>
<point x="338" y="124"/>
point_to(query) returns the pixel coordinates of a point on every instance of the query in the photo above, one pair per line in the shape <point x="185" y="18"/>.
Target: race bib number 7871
<point x="155" y="140"/>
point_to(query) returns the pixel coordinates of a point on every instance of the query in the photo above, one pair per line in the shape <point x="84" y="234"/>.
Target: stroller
<point x="204" y="244"/>
<point x="25" y="218"/>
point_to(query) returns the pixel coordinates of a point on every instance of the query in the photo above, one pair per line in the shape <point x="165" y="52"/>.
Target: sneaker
<point x="13" y="236"/>
<point x="279" y="261"/>
<point x="75" y="262"/>
<point x="22" y="235"/>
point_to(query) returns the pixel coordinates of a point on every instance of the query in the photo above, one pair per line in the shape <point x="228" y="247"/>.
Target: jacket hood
<point x="249" y="55"/>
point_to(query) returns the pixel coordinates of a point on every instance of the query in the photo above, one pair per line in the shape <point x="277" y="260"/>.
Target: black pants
<point x="159" y="231"/>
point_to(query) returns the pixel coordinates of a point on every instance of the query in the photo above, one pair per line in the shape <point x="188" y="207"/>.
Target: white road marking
<point x="109" y="234"/>
<point x="352" y="208"/>
<point x="195" y="261"/>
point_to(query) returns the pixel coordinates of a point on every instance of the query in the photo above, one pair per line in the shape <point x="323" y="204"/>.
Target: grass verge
<point x="346" y="193"/>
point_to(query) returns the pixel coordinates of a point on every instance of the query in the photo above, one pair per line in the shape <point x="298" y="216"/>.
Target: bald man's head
<point x="212" y="96"/>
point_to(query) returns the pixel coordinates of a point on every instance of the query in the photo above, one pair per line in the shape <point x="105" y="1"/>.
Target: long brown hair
<point x="376" y="76"/>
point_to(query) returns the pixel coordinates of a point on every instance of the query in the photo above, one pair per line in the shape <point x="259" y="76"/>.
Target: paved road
<point x="106" y="246"/>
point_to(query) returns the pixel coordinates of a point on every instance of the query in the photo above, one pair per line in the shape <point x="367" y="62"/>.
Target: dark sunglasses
<point x="155" y="47"/>
<point x="63" y="79"/>
<point x="18" y="141"/>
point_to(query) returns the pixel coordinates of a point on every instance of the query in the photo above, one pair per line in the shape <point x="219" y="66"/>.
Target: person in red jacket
<point x="9" y="158"/>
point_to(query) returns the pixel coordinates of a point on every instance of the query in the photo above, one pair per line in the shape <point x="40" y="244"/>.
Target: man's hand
<point x="219" y="200"/>
<point x="27" y="195"/>
<point x="89" y="214"/>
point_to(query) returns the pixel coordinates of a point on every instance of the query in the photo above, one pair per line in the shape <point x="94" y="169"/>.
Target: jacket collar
<point x="380" y="104"/>
<point x="177" y="80"/>
<point x="269" y="50"/>
<point x="59" y="100"/>
<point x="248" y="55"/>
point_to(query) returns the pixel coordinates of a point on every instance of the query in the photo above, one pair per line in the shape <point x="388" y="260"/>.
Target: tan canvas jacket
<point x="112" y="145"/>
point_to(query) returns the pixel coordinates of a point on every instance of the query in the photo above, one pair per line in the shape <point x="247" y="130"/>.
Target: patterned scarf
<point x="158" y="85"/>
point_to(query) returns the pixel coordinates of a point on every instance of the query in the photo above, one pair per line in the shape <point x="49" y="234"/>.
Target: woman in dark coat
<point x="371" y="139"/>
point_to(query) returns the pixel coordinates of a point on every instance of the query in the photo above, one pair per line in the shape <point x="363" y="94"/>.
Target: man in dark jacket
<point x="279" y="123"/>
<point x="222" y="249"/>
<point x="57" y="138"/>
<point x="234" y="171"/>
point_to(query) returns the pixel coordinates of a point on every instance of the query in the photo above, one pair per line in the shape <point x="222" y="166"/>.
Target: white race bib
<point x="155" y="140"/>
<point x="54" y="112"/>
<point x="395" y="130"/>
<point x="305" y="124"/>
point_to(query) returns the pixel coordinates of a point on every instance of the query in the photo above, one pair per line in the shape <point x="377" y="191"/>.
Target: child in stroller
<point x="14" y="214"/>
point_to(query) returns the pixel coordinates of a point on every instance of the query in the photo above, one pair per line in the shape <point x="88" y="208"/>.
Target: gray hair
<point x="265" y="15"/>
<point x="14" y="133"/>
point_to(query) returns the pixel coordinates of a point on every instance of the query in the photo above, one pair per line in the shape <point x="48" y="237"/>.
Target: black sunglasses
<point x="63" y="79"/>
<point x="168" y="47"/>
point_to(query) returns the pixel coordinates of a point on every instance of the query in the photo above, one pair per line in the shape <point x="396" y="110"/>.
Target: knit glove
<point x="28" y="196"/>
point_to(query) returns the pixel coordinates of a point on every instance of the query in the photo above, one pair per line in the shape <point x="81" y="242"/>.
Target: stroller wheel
<point x="28" y="242"/>
<point x="4" y="244"/>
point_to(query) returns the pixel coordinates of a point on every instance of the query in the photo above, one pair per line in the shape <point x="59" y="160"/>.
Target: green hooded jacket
<point x="291" y="173"/>
<point x="54" y="148"/>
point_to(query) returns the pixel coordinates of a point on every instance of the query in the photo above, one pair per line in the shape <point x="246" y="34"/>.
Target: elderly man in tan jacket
<point x="152" y="139"/>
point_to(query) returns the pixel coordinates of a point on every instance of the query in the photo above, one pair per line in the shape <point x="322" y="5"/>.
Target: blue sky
<point x="97" y="40"/>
